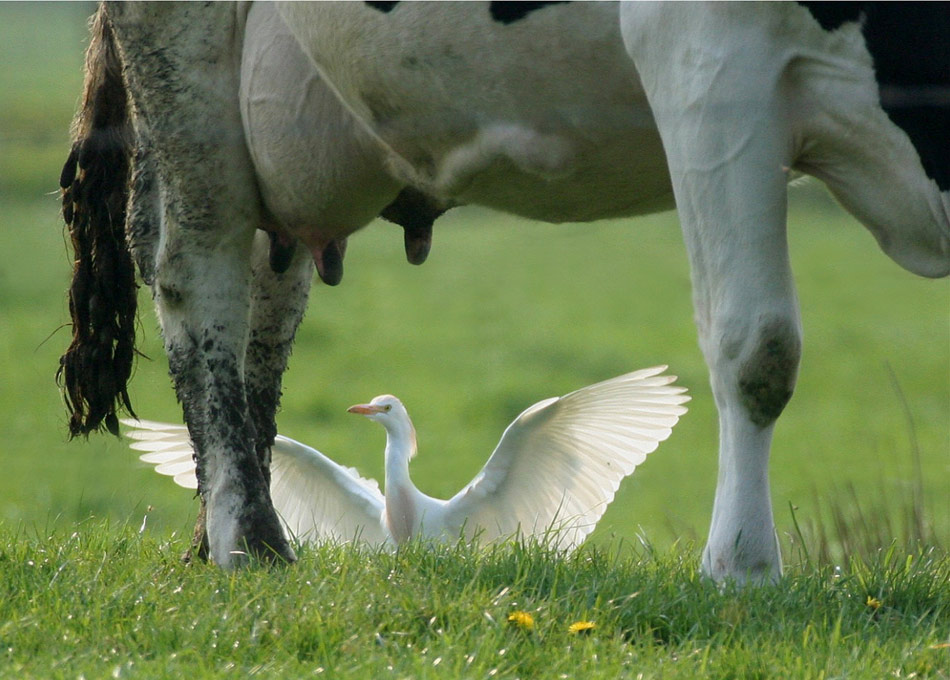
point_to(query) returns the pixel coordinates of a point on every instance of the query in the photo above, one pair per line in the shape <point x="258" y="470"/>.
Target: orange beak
<point x="364" y="409"/>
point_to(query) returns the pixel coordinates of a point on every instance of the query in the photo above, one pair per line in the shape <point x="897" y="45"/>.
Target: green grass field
<point x="98" y="601"/>
<point x="504" y="313"/>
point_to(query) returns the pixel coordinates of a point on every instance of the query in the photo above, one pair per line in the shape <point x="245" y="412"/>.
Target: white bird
<point x="552" y="475"/>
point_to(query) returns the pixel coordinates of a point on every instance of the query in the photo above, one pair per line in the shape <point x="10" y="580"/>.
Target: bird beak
<point x="364" y="409"/>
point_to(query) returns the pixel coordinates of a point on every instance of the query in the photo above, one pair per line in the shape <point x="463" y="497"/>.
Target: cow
<point x="228" y="149"/>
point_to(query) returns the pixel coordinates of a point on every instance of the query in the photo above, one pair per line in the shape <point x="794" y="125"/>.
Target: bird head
<point x="389" y="412"/>
<point x="383" y="409"/>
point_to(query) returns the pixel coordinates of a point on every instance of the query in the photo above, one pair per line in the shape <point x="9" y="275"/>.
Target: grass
<point x="504" y="314"/>
<point x="99" y="600"/>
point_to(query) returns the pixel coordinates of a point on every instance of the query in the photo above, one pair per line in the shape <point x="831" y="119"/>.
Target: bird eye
<point x="388" y="407"/>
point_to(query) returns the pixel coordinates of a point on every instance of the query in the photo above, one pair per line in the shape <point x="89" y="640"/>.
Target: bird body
<point x="552" y="475"/>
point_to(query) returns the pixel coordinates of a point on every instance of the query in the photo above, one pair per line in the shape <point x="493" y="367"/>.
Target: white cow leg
<point x="716" y="103"/>
<point x="750" y="335"/>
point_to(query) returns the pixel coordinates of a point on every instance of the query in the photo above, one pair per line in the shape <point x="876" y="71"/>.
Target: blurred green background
<point x="503" y="314"/>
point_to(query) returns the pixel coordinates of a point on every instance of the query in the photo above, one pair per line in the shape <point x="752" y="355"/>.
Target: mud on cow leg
<point x="208" y="210"/>
<point x="278" y="303"/>
<point x="205" y="337"/>
<point x="767" y="378"/>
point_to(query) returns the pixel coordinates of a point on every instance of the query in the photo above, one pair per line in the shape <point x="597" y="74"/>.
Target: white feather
<point x="553" y="474"/>
<point x="559" y="464"/>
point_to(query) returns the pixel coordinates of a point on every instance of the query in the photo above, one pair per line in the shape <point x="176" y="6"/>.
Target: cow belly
<point x="542" y="116"/>
<point x="320" y="173"/>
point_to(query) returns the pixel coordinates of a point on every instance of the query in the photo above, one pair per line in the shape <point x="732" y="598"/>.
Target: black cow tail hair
<point x="95" y="369"/>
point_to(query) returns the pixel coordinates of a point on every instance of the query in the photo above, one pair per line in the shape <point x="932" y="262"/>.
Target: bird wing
<point x="168" y="448"/>
<point x="315" y="497"/>
<point x="559" y="464"/>
<point x="320" y="499"/>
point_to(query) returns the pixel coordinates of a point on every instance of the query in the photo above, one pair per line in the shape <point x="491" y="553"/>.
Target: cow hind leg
<point x="278" y="303"/>
<point x="185" y="86"/>
<point x="875" y="130"/>
<point x="202" y="300"/>
<point x="873" y="169"/>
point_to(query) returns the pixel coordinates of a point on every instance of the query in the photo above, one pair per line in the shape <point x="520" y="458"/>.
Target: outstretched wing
<point x="168" y="448"/>
<point x="559" y="464"/>
<point x="320" y="499"/>
<point x="315" y="497"/>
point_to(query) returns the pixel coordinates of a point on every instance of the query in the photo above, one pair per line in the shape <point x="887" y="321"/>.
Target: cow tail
<point x="95" y="369"/>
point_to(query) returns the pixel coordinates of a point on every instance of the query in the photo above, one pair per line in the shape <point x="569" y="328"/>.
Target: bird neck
<point x="400" y="448"/>
<point x="402" y="497"/>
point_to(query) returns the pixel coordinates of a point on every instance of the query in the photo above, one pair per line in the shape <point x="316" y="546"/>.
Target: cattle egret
<point x="552" y="475"/>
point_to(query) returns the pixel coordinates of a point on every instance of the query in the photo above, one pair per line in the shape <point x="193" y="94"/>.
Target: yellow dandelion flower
<point x="523" y="620"/>
<point x="581" y="627"/>
<point x="873" y="602"/>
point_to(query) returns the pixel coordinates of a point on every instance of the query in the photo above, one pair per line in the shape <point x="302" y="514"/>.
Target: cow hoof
<point x="250" y="537"/>
<point x="740" y="572"/>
